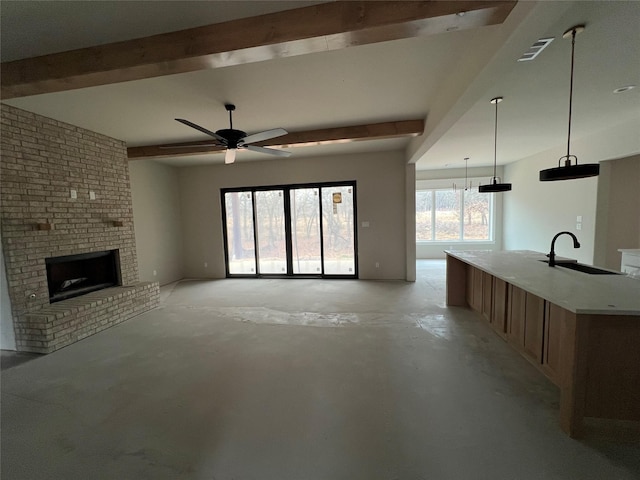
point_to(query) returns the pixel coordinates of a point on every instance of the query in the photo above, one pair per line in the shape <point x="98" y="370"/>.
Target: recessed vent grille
<point x="535" y="49"/>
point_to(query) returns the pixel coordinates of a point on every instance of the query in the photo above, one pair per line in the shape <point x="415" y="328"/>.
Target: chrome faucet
<point x="552" y="253"/>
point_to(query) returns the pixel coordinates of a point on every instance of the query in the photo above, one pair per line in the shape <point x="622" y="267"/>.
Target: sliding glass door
<point x="306" y="240"/>
<point x="338" y="230"/>
<point x="291" y="230"/>
<point x="270" y="231"/>
<point x="240" y="238"/>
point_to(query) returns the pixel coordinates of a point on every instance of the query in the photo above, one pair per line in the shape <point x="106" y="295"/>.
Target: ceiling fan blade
<point x="195" y="145"/>
<point x="266" y="135"/>
<point x="270" y="151"/>
<point x="202" y="129"/>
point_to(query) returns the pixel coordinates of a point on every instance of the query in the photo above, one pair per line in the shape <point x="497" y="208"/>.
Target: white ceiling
<point x="447" y="79"/>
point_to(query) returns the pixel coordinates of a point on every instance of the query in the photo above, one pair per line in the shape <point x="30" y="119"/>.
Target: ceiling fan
<point x="235" y="140"/>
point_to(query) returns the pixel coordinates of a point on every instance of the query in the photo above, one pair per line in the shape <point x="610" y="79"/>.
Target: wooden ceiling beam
<point x="323" y="136"/>
<point x="323" y="27"/>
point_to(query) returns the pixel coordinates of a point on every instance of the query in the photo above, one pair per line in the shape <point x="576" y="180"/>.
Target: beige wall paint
<point x="618" y="215"/>
<point x="157" y="218"/>
<point x="381" y="201"/>
<point x="535" y="211"/>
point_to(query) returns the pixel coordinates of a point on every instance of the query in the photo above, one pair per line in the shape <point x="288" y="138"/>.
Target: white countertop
<point x="575" y="291"/>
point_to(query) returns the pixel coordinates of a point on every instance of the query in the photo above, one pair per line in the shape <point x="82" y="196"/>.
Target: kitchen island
<point x="581" y="330"/>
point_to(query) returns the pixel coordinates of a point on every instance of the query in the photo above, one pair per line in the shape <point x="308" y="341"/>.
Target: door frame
<point x="286" y="188"/>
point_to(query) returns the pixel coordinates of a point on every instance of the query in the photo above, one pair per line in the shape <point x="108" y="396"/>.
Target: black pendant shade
<point x="570" y="171"/>
<point x="495" y="185"/>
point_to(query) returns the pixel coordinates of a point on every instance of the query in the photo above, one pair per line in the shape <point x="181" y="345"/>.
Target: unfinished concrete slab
<point x="298" y="379"/>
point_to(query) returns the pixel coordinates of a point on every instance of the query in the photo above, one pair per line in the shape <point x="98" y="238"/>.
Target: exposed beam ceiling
<point x="446" y="79"/>
<point x="317" y="28"/>
<point x="324" y="136"/>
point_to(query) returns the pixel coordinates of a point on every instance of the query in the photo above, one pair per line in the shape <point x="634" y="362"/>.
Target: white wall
<point x="381" y="201"/>
<point x="457" y="176"/>
<point x="7" y="335"/>
<point x="535" y="211"/>
<point x="157" y="219"/>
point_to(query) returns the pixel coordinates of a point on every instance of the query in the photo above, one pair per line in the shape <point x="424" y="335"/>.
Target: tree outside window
<point x="447" y="215"/>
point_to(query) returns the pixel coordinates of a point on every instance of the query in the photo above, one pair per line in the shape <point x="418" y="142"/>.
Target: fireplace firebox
<point x="74" y="275"/>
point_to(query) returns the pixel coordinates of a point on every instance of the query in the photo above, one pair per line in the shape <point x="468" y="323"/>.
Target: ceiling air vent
<point x="535" y="49"/>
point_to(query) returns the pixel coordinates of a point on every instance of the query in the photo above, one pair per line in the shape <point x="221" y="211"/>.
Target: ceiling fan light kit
<point x="571" y="169"/>
<point x="230" y="155"/>
<point x="495" y="185"/>
<point x="235" y="140"/>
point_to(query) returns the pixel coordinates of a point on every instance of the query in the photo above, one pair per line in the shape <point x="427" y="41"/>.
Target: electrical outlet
<point x="74" y="193"/>
<point x="155" y="273"/>
<point x="206" y="264"/>
<point x="377" y="264"/>
<point x="578" y="226"/>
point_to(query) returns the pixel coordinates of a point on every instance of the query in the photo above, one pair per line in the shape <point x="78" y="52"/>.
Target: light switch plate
<point x="74" y="194"/>
<point x="92" y="195"/>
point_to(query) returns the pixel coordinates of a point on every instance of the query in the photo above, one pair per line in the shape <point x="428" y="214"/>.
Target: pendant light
<point x="455" y="187"/>
<point x="495" y="185"/>
<point x="570" y="171"/>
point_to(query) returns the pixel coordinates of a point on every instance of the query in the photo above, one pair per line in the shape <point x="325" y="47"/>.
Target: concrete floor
<point x="298" y="379"/>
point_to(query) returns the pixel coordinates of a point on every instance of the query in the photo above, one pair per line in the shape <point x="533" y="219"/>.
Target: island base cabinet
<point x="487" y="295"/>
<point x="515" y="315"/>
<point x="474" y="292"/>
<point x="612" y="376"/>
<point x="534" y="326"/>
<point x="555" y="318"/>
<point x="499" y="306"/>
<point x="525" y="322"/>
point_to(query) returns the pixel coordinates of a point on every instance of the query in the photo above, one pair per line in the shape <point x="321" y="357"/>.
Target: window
<point x="448" y="215"/>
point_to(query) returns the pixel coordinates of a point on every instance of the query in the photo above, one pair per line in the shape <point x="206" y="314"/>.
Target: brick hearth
<point x="43" y="161"/>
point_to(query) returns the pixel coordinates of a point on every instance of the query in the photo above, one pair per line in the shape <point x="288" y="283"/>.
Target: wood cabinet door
<point x="499" y="306"/>
<point x="476" y="289"/>
<point x="469" y="286"/>
<point x="515" y="315"/>
<point x="534" y="326"/>
<point x="487" y="295"/>
<point x="552" y="345"/>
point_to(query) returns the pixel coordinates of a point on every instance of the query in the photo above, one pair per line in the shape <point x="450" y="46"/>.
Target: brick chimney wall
<point x="43" y="162"/>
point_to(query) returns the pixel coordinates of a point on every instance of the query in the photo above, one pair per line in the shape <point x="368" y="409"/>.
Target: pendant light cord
<point x="573" y="43"/>
<point x="495" y="144"/>
<point x="230" y="120"/>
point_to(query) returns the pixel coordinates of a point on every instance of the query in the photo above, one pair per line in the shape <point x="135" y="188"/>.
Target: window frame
<point x="440" y="185"/>
<point x="286" y="188"/>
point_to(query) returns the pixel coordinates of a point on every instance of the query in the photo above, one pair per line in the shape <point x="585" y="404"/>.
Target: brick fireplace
<point x="65" y="192"/>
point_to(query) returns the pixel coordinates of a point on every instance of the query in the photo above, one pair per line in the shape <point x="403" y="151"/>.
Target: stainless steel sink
<point x="590" y="269"/>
